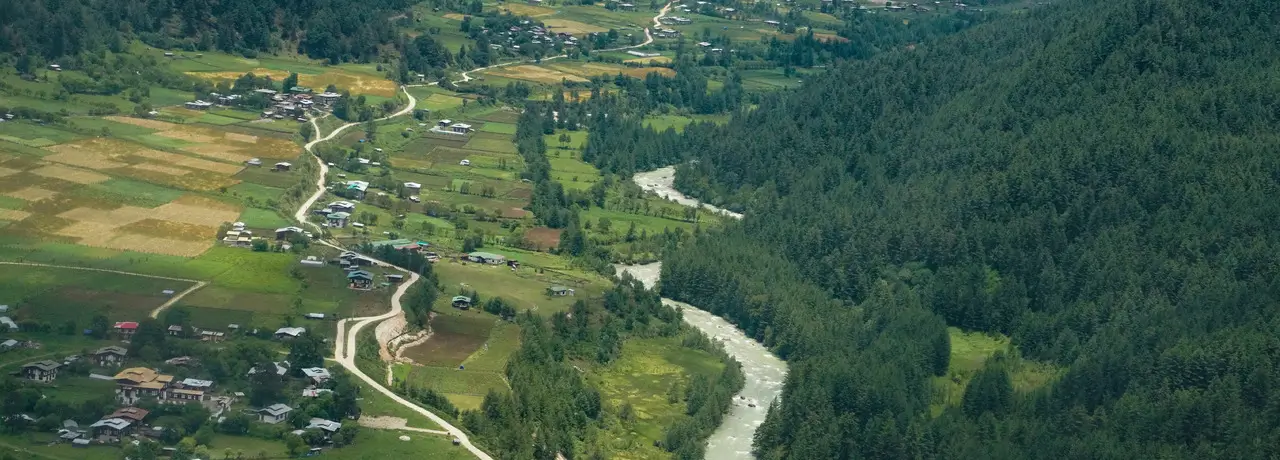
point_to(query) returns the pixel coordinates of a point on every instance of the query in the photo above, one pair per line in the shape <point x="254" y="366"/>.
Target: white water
<point x="661" y="182"/>
<point x="764" y="373"/>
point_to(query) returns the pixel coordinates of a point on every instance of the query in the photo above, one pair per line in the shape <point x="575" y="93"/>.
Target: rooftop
<point x="44" y="365"/>
<point x="276" y="409"/>
<point x="293" y="331"/>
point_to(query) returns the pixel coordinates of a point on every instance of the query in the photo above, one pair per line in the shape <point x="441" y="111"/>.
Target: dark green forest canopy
<point x="337" y="30"/>
<point x="1095" y="179"/>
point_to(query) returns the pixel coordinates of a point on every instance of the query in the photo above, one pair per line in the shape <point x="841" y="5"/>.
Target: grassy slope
<point x="969" y="350"/>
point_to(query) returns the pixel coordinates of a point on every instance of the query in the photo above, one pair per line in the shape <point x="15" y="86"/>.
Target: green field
<point x="58" y="295"/>
<point x="642" y="377"/>
<point x="969" y="351"/>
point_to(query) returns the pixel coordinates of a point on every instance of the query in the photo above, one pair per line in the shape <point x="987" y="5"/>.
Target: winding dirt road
<point x="349" y="329"/>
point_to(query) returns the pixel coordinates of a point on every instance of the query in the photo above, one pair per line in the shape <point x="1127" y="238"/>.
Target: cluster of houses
<point x="338" y="213"/>
<point x="136" y="384"/>
<point x="449" y="127"/>
<point x="528" y="33"/>
<point x="239" y="236"/>
<point x="293" y="103"/>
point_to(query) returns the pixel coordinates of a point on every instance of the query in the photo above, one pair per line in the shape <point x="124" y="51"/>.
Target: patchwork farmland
<point x="138" y="185"/>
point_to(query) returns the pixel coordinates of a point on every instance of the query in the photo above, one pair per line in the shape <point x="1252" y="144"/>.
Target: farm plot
<point x="572" y="27"/>
<point x="454" y="337"/>
<point x="58" y="295"/>
<point x="535" y="74"/>
<point x="591" y="69"/>
<point x="216" y="144"/>
<point x="355" y="82"/>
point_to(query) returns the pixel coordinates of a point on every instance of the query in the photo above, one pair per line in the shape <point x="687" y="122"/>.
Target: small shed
<point x="462" y="302"/>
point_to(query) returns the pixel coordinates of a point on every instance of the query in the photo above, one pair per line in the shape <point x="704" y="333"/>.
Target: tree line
<point x="1080" y="177"/>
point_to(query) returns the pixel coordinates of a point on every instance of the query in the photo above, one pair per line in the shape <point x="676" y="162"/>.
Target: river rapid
<point x="764" y="373"/>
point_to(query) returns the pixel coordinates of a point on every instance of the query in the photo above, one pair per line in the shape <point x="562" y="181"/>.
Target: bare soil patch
<point x="6" y="172"/>
<point x="528" y="10"/>
<point x="143" y="122"/>
<point x="77" y="175"/>
<point x="167" y="229"/>
<point x="11" y="214"/>
<point x="32" y="194"/>
<point x="572" y="27"/>
<point x="194" y="163"/>
<point x="543" y="237"/>
<point x="161" y="169"/>
<point x="143" y="243"/>
<point x="123" y="215"/>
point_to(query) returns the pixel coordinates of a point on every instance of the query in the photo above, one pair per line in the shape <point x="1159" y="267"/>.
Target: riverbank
<point x="764" y="372"/>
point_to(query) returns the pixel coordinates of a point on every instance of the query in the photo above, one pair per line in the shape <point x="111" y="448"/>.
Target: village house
<point x="274" y="413"/>
<point x="175" y="330"/>
<point x="125" y="329"/>
<point x="394" y="278"/>
<point x="412" y="187"/>
<point x="212" y="336"/>
<point x="132" y="414"/>
<point x="360" y="279"/>
<point x="8" y="344"/>
<point x="282" y="367"/>
<point x="460" y="128"/>
<point x="285" y="233"/>
<point x="327" y="98"/>
<point x="110" y="356"/>
<point x="265" y="92"/>
<point x="312" y="261"/>
<point x="282" y="166"/>
<point x="326" y="427"/>
<point x="402" y="244"/>
<point x="342" y="206"/>
<point x="559" y="291"/>
<point x="8" y="323"/>
<point x="487" y="258"/>
<point x="337" y="219"/>
<point x="357" y="188"/>
<point x="238" y="238"/>
<point x="198" y="105"/>
<point x="286" y="333"/>
<point x="135" y="383"/>
<point x="313" y="316"/>
<point x="314" y="392"/>
<point x="318" y="375"/>
<point x="110" y="430"/>
<point x="462" y="302"/>
<point x="183" y="396"/>
<point x="41" y="371"/>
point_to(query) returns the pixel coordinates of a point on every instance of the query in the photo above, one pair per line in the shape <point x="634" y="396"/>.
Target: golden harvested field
<point x="345" y="81"/>
<point x="185" y="227"/>
<point x="5" y="172"/>
<point x="528" y="10"/>
<point x="216" y="144"/>
<point x="535" y="74"/>
<point x="649" y="60"/>
<point x="128" y="159"/>
<point x="77" y="175"/>
<point x="455" y="16"/>
<point x="572" y="27"/>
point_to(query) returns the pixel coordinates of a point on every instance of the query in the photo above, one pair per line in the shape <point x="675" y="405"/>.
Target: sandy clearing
<point x="13" y="214"/>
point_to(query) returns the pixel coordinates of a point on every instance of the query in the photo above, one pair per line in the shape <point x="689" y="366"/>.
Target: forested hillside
<point x="1095" y="179"/>
<point x="337" y="30"/>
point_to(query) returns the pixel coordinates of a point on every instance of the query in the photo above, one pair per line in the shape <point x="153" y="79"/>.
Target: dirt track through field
<point x="154" y="313"/>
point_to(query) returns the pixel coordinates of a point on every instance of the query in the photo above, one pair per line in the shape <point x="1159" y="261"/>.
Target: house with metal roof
<point x="41" y="371"/>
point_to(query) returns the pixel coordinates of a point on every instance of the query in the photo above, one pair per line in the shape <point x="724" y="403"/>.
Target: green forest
<point x="1092" y="179"/>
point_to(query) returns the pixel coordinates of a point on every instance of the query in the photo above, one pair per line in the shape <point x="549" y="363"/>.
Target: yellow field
<point x="649" y="60"/>
<point x="219" y="145"/>
<point x="534" y="73"/>
<point x="572" y="27"/>
<point x="455" y="16"/>
<point x="528" y="10"/>
<point x="354" y="82"/>
<point x="595" y="68"/>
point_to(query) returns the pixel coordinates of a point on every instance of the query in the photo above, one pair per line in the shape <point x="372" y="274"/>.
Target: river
<point x="764" y="373"/>
<point x="661" y="182"/>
